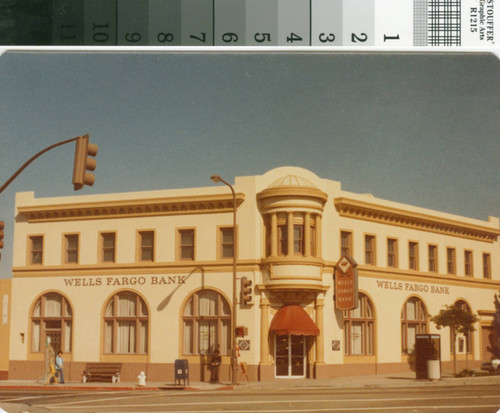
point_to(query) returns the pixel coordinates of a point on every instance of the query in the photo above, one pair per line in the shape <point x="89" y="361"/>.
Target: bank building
<point x="146" y="278"/>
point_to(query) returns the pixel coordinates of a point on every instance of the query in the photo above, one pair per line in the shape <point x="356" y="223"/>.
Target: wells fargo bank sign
<point x="346" y="284"/>
<point x="125" y="281"/>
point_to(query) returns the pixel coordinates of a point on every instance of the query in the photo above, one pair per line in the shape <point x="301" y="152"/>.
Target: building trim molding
<point x="366" y="211"/>
<point x="425" y="277"/>
<point x="131" y="208"/>
<point x="132" y="269"/>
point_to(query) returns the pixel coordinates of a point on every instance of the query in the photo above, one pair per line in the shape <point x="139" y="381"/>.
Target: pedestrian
<point x="59" y="366"/>
<point x="214" y="365"/>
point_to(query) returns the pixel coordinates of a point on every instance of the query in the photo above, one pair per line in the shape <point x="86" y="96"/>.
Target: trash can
<point x="181" y="367"/>
<point x="428" y="356"/>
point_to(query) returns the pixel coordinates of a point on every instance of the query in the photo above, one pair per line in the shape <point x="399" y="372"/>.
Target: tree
<point x="494" y="337"/>
<point x="458" y="320"/>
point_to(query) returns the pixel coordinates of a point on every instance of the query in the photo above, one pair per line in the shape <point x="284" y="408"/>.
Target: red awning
<point x="293" y="319"/>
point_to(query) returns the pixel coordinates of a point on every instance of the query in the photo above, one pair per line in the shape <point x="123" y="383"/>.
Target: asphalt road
<point x="473" y="398"/>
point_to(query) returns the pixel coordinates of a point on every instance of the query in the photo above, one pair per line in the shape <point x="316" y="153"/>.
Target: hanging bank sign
<point x="346" y="284"/>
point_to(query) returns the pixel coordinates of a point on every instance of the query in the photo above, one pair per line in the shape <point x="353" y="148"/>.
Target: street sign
<point x="346" y="284"/>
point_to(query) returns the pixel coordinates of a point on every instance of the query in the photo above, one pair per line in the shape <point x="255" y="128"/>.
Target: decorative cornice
<point x="486" y="313"/>
<point x="423" y="222"/>
<point x="201" y="204"/>
<point x="292" y="260"/>
<point x="294" y="192"/>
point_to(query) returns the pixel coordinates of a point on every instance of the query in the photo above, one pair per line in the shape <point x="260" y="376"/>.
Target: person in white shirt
<point x="59" y="366"/>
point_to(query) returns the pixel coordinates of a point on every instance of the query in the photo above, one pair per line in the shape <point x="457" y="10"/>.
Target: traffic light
<point x="83" y="163"/>
<point x="246" y="290"/>
<point x="2" y="226"/>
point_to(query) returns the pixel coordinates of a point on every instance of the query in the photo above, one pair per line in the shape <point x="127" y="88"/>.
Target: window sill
<point x="359" y="359"/>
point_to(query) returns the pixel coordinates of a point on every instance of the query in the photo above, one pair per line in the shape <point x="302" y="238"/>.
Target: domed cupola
<point x="292" y="191"/>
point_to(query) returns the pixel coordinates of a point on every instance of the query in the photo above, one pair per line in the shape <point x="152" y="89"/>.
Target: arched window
<point x="463" y="342"/>
<point x="413" y="322"/>
<point x="52" y="317"/>
<point x="126" y="324"/>
<point x="359" y="328"/>
<point x="206" y="323"/>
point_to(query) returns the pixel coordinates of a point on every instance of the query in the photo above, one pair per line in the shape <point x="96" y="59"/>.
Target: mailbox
<point x="181" y="367"/>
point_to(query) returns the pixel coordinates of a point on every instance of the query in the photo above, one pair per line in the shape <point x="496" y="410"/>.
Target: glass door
<point x="289" y="356"/>
<point x="298" y="356"/>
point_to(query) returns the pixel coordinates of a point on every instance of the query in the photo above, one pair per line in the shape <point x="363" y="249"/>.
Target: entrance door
<point x="289" y="355"/>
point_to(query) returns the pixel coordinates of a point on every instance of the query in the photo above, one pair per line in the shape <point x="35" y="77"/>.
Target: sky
<point x="417" y="128"/>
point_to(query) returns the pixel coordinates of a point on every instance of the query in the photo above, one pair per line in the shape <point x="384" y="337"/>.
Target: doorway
<point x="290" y="355"/>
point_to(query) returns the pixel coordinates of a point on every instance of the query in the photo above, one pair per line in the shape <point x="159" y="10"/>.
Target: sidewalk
<point x="359" y="382"/>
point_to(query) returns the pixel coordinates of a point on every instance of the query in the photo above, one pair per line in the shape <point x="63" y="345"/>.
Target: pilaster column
<point x="307" y="235"/>
<point x="264" y="331"/>
<point x="290" y="234"/>
<point x="320" y="348"/>
<point x="318" y="236"/>
<point x="274" y="235"/>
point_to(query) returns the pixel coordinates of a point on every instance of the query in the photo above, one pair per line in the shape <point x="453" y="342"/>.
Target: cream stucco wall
<point x="207" y="209"/>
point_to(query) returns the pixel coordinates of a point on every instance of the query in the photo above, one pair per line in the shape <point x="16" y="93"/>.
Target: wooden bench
<point x="102" y="372"/>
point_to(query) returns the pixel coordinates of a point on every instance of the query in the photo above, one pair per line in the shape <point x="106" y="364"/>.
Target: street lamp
<point x="234" y="363"/>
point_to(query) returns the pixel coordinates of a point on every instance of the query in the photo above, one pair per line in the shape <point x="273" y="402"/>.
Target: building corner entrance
<point x="290" y="355"/>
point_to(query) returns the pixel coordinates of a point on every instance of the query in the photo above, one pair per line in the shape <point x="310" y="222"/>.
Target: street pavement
<point x="357" y="382"/>
<point x="382" y="380"/>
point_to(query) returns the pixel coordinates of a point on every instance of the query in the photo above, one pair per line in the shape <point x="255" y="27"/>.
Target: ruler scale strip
<point x="352" y="23"/>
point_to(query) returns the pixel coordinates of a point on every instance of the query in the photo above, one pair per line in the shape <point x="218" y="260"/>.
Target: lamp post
<point x="234" y="363"/>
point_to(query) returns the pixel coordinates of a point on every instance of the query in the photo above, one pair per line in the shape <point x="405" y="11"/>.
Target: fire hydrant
<point x="142" y="379"/>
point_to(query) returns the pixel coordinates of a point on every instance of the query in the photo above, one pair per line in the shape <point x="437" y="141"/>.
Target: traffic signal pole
<point x="6" y="184"/>
<point x="81" y="164"/>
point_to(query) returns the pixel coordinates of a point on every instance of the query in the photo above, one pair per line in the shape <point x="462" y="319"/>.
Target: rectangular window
<point x="298" y="239"/>
<point x="468" y="263"/>
<point x="486" y="266"/>
<point x="71" y="249"/>
<point x="282" y="240"/>
<point x="36" y="250"/>
<point x="108" y="241"/>
<point x="392" y="253"/>
<point x="433" y="258"/>
<point x="370" y="249"/>
<point x="226" y="243"/>
<point x="413" y="256"/>
<point x="186" y="244"/>
<point x="450" y="260"/>
<point x="147" y="242"/>
<point x="345" y="244"/>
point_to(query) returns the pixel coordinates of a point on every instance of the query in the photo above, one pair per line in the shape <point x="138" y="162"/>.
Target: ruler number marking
<point x="386" y="37"/>
<point x="262" y="37"/>
<point x="65" y="28"/>
<point x="229" y="37"/>
<point x="165" y="37"/>
<point x="100" y="36"/>
<point x="202" y="39"/>
<point x="133" y="37"/>
<point x="361" y="38"/>
<point x="323" y="37"/>
<point x="293" y="38"/>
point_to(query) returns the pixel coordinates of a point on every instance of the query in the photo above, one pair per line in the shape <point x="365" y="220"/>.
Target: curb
<point x="108" y="388"/>
<point x="25" y="387"/>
